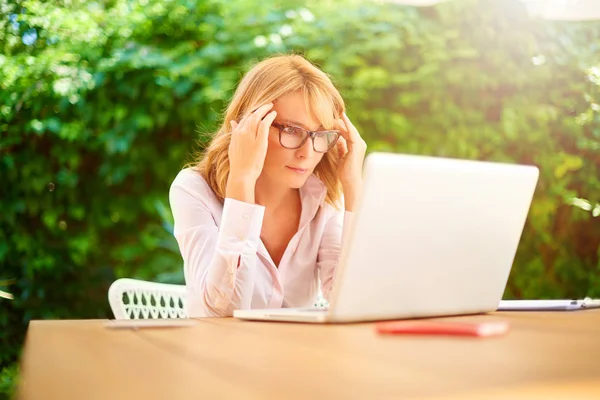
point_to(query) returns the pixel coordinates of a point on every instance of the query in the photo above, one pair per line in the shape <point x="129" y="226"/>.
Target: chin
<point x="296" y="183"/>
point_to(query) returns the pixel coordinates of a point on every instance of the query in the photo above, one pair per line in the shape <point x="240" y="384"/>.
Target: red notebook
<point x="431" y="327"/>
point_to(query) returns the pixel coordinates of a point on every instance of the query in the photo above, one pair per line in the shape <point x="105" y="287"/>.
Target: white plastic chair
<point x="137" y="299"/>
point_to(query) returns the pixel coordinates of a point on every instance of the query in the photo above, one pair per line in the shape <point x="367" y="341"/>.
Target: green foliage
<point x="482" y="80"/>
<point x="99" y="108"/>
<point x="8" y="381"/>
<point x="101" y="102"/>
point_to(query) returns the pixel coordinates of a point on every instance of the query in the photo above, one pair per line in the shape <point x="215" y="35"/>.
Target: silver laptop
<point x="431" y="237"/>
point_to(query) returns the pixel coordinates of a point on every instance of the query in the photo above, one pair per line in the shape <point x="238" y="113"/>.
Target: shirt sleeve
<point x="336" y="231"/>
<point x="219" y="262"/>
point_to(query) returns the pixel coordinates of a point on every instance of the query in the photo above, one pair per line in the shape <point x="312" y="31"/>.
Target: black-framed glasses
<point x="294" y="137"/>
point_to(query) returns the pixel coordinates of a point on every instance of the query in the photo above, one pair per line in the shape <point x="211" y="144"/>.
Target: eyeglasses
<point x="294" y="137"/>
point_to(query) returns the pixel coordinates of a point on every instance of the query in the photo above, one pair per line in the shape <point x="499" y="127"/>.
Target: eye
<point x="292" y="130"/>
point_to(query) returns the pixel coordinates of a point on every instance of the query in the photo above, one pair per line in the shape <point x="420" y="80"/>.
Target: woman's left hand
<point x="351" y="149"/>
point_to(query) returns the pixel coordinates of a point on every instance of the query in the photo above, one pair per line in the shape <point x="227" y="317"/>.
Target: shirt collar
<point x="312" y="196"/>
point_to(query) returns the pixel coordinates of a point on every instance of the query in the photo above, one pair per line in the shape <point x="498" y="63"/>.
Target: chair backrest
<point x="137" y="299"/>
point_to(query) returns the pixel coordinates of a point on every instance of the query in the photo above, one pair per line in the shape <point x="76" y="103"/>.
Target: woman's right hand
<point x="247" y="152"/>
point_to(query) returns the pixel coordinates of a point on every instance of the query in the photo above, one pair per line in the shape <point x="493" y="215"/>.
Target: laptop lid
<point x="431" y="237"/>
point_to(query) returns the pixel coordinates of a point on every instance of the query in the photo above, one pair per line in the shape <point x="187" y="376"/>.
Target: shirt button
<point x="245" y="216"/>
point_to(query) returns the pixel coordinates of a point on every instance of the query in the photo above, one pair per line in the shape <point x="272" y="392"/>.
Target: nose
<point x="306" y="150"/>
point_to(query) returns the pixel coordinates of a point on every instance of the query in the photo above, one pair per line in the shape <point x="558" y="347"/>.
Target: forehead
<point x="294" y="108"/>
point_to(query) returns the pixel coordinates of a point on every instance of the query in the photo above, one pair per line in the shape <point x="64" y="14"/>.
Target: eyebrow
<point x="301" y="125"/>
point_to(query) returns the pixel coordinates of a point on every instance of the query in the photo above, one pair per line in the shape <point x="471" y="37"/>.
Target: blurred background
<point x="103" y="102"/>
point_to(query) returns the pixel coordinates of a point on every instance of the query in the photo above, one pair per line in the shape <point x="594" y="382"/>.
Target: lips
<point x="298" y="170"/>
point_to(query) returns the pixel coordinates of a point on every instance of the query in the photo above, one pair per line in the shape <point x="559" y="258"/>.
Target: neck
<point x="273" y="195"/>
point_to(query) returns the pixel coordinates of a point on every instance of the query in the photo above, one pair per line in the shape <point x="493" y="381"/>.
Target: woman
<point x="259" y="218"/>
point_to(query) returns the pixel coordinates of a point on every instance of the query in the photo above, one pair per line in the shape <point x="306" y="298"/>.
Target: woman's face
<point x="291" y="167"/>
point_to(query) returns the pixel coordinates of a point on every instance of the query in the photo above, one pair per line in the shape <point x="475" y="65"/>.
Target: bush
<point x="482" y="80"/>
<point x="99" y="110"/>
<point x="8" y="381"/>
<point x="100" y="105"/>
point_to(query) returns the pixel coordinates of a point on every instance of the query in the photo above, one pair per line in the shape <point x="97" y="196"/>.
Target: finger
<point x="252" y="114"/>
<point x="263" y="110"/>
<point x="341" y="125"/>
<point x="342" y="147"/>
<point x="345" y="137"/>
<point x="262" y="133"/>
<point x="354" y="135"/>
<point x="256" y="117"/>
<point x="244" y="122"/>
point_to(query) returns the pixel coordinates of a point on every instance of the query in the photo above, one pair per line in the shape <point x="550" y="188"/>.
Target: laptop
<point x="431" y="237"/>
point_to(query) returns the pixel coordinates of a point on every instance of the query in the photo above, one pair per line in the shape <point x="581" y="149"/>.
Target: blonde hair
<point x="267" y="81"/>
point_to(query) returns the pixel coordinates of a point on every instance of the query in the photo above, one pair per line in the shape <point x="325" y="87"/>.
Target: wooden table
<point x="545" y="356"/>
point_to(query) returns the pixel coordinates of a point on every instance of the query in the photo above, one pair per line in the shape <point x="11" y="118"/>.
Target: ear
<point x="233" y="124"/>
